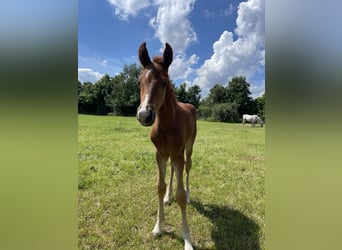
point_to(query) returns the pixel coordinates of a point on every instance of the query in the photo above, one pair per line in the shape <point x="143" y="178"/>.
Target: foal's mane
<point x="158" y="60"/>
<point x="171" y="97"/>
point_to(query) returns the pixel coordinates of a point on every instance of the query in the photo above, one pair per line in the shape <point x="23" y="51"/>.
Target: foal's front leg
<point x="161" y="161"/>
<point x="178" y="165"/>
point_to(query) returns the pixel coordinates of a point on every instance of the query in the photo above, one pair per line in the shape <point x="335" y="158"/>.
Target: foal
<point x="173" y="131"/>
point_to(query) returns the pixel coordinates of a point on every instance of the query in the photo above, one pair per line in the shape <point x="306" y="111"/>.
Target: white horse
<point x="253" y="119"/>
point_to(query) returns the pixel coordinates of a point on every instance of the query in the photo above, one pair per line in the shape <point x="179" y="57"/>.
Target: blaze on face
<point x="153" y="82"/>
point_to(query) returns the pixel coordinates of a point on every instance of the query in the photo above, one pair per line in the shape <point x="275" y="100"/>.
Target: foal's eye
<point x="138" y="83"/>
<point x="164" y="84"/>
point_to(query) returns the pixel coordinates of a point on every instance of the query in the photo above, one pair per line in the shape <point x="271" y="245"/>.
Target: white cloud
<point x="88" y="75"/>
<point x="244" y="56"/>
<point x="104" y="63"/>
<point x="172" y="25"/>
<point x="230" y="10"/>
<point x="125" y="8"/>
<point x="257" y="90"/>
<point x="109" y="65"/>
<point x="209" y="14"/>
<point x="251" y="21"/>
<point x="181" y="67"/>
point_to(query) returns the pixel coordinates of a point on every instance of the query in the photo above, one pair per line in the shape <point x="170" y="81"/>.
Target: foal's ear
<point x="168" y="55"/>
<point x="143" y="55"/>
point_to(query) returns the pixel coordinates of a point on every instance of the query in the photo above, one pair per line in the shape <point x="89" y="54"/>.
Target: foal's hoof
<point x="167" y="202"/>
<point x="156" y="232"/>
<point x="188" y="246"/>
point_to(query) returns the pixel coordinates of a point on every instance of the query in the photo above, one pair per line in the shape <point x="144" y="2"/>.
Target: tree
<point x="86" y="98"/>
<point x="225" y="112"/>
<point x="102" y="88"/>
<point x="204" y="110"/>
<point x="118" y="95"/>
<point x="124" y="97"/>
<point x="79" y="88"/>
<point x="218" y="94"/>
<point x="181" y="93"/>
<point x="194" y="95"/>
<point x="260" y="103"/>
<point x="238" y="93"/>
<point x="91" y="97"/>
<point x="228" y="103"/>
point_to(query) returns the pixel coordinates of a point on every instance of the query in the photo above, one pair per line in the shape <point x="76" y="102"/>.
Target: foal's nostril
<point x="148" y="117"/>
<point x="149" y="108"/>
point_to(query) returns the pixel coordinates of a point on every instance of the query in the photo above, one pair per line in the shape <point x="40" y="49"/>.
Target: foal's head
<point x="153" y="83"/>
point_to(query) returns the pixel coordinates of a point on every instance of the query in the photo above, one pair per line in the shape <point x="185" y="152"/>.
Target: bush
<point x="225" y="112"/>
<point x="204" y="112"/>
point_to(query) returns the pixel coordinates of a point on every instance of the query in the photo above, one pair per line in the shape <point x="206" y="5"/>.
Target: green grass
<point x="118" y="193"/>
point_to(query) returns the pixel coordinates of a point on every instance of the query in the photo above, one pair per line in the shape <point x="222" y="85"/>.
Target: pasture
<point x="118" y="192"/>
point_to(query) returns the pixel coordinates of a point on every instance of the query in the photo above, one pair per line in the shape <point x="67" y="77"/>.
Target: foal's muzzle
<point x="146" y="117"/>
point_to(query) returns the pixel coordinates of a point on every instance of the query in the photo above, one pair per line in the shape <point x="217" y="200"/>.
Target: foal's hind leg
<point x="168" y="195"/>
<point x="161" y="161"/>
<point x="188" y="164"/>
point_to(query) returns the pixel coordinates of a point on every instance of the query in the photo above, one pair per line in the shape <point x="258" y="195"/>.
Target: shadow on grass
<point x="231" y="229"/>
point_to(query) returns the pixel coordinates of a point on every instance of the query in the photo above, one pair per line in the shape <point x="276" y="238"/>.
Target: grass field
<point x="118" y="193"/>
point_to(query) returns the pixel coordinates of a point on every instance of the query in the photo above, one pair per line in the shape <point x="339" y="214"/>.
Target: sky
<point x="212" y="41"/>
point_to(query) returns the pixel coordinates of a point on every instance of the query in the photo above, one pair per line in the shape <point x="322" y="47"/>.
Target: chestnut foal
<point x="173" y="131"/>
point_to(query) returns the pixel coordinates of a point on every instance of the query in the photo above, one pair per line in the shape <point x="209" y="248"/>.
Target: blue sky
<point x="213" y="41"/>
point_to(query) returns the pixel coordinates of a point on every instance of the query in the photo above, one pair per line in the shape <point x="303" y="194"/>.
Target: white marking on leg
<point x="187" y="190"/>
<point x="157" y="230"/>
<point x="161" y="162"/>
<point x="187" y="242"/>
<point x="188" y="165"/>
<point x="186" y="232"/>
<point x="188" y="196"/>
<point x="168" y="195"/>
<point x="181" y="199"/>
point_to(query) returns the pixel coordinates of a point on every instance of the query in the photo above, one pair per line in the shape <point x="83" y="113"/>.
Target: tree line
<point x="229" y="103"/>
<point x="119" y="95"/>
